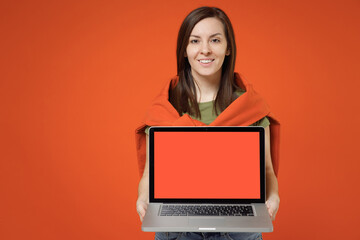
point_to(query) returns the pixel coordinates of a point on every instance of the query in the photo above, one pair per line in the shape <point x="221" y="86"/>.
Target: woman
<point x="205" y="86"/>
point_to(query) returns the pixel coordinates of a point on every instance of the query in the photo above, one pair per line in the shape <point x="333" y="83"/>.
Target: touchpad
<point x="206" y="221"/>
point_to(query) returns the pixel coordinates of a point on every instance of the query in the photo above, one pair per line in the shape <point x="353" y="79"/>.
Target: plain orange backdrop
<point x="77" y="76"/>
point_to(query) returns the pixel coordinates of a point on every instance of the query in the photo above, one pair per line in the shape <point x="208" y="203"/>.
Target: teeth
<point x="206" y="61"/>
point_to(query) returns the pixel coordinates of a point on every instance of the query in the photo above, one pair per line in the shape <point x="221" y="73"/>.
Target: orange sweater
<point x="244" y="111"/>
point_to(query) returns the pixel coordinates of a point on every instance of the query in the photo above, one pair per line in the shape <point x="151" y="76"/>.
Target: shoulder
<point x="264" y="122"/>
<point x="239" y="92"/>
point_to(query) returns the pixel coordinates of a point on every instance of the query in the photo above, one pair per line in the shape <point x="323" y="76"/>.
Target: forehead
<point x="208" y="26"/>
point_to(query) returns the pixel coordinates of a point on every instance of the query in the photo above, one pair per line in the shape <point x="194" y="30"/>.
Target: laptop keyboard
<point x="206" y="210"/>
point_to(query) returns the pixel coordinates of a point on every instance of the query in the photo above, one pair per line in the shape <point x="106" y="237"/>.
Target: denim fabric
<point x="207" y="236"/>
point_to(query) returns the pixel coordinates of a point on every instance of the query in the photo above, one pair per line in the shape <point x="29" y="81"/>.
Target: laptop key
<point x="206" y="210"/>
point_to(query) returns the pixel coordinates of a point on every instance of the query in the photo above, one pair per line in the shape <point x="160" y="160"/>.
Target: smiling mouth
<point x="206" y="60"/>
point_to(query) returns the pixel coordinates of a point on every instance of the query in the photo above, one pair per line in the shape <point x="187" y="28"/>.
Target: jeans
<point x="207" y="236"/>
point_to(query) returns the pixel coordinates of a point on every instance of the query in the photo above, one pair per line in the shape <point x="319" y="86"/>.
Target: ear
<point x="227" y="52"/>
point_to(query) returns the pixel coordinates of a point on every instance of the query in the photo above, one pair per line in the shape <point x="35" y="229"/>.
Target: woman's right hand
<point x="141" y="207"/>
<point x="143" y="190"/>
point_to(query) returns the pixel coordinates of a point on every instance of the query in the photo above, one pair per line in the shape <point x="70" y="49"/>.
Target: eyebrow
<point x="213" y="35"/>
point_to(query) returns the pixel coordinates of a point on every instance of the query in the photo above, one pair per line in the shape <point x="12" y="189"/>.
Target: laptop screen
<point x="206" y="163"/>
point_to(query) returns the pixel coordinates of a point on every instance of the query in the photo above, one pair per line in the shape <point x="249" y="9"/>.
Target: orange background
<point x="77" y="77"/>
<point x="200" y="164"/>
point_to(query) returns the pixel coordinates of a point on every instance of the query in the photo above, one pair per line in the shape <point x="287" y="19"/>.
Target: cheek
<point x="191" y="52"/>
<point x="222" y="51"/>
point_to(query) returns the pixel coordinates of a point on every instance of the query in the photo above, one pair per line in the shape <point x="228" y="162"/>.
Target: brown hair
<point x="183" y="95"/>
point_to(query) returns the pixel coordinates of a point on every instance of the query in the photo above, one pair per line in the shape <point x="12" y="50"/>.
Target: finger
<point x="141" y="211"/>
<point x="141" y="206"/>
<point x="272" y="212"/>
<point x="141" y="216"/>
<point x="273" y="217"/>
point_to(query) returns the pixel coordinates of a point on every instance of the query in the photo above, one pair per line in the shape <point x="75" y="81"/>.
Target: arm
<point x="272" y="192"/>
<point x="143" y="189"/>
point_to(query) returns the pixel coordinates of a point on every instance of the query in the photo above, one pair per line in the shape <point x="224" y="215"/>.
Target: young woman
<point x="206" y="91"/>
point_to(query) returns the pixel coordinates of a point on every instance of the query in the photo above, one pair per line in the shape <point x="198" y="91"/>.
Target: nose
<point x="205" y="48"/>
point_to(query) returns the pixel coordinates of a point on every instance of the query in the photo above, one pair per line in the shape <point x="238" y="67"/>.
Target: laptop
<point x="207" y="179"/>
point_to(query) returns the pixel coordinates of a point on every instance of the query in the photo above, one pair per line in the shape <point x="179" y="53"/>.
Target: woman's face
<point x="207" y="48"/>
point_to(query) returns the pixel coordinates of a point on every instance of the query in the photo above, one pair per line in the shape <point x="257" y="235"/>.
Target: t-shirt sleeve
<point x="264" y="122"/>
<point x="147" y="130"/>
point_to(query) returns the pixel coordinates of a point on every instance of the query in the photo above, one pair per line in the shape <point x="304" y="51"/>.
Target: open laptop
<point x="207" y="179"/>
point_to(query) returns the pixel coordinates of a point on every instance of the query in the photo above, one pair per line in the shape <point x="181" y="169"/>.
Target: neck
<point x="207" y="86"/>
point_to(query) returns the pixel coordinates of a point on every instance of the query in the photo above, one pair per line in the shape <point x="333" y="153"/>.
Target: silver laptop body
<point x="206" y="168"/>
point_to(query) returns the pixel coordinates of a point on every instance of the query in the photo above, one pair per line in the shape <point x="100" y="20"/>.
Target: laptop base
<point x="261" y="222"/>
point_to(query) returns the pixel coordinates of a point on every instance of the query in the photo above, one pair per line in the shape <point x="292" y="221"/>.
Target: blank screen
<point x="214" y="165"/>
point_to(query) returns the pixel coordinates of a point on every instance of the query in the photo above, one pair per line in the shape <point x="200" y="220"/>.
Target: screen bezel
<point x="261" y="132"/>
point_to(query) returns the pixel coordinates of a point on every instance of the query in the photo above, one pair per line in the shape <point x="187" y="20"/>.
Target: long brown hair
<point x="183" y="95"/>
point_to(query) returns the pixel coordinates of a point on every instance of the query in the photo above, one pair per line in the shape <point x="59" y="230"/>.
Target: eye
<point x="215" y="40"/>
<point x="194" y="41"/>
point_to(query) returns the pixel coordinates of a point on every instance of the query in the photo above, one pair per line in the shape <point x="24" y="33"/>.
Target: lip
<point x="206" y="64"/>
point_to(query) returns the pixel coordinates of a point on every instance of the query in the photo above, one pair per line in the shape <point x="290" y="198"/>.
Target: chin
<point x="207" y="73"/>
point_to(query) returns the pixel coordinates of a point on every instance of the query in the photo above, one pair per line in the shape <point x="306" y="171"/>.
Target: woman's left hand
<point x="272" y="204"/>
